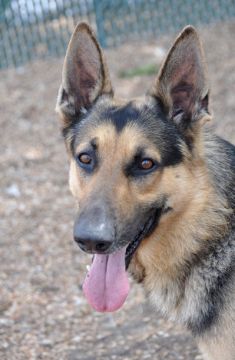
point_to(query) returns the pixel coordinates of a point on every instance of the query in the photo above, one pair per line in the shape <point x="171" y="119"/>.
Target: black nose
<point x="94" y="231"/>
<point x="93" y="245"/>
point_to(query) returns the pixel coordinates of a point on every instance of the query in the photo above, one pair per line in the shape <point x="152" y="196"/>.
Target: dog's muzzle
<point x="94" y="231"/>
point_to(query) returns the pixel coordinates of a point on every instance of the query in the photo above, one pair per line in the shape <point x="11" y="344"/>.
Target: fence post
<point x="99" y="16"/>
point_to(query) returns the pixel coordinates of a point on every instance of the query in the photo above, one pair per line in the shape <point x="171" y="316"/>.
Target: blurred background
<point x="33" y="29"/>
<point x="43" y="313"/>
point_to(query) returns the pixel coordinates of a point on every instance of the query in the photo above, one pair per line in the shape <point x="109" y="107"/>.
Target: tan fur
<point x="159" y="258"/>
<point x="186" y="185"/>
<point x="199" y="211"/>
<point x="173" y="241"/>
<point x="112" y="181"/>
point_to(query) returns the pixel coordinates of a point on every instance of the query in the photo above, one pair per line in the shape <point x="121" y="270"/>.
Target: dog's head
<point x="131" y="161"/>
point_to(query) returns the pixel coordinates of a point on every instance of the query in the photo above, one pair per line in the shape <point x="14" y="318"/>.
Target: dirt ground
<point x="43" y="313"/>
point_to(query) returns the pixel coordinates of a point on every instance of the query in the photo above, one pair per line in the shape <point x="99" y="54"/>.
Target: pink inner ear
<point x="87" y="81"/>
<point x="86" y="70"/>
<point x="181" y="84"/>
<point x="184" y="85"/>
<point x="85" y="74"/>
<point x="183" y="98"/>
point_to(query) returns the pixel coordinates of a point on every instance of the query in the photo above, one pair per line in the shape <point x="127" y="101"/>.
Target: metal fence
<point x="32" y="29"/>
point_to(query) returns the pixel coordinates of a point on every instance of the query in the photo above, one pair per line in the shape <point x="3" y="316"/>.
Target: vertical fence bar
<point x="27" y="47"/>
<point x="100" y="21"/>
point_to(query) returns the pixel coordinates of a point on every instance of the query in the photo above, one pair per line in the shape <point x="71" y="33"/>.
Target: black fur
<point x="216" y="268"/>
<point x="120" y="116"/>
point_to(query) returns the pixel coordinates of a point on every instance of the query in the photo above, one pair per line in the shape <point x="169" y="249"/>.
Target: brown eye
<point x="85" y="159"/>
<point x="146" y="164"/>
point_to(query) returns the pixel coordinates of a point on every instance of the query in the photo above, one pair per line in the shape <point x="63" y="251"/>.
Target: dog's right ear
<point x="85" y="75"/>
<point x="182" y="84"/>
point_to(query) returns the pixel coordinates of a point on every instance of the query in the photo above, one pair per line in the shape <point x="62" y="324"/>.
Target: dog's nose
<point x="93" y="231"/>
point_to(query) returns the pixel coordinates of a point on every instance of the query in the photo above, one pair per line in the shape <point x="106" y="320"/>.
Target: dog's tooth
<point x="88" y="267"/>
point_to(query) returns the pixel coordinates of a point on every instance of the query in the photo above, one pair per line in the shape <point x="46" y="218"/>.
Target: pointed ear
<point x="85" y="75"/>
<point x="181" y="84"/>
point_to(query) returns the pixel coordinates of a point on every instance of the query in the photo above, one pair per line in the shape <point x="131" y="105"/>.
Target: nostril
<point x="76" y="239"/>
<point x="92" y="245"/>
<point x="102" y="246"/>
<point x="81" y="243"/>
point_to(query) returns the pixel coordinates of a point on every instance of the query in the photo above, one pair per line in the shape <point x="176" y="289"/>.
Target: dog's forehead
<point x="121" y="113"/>
<point x="139" y="115"/>
<point x="111" y="120"/>
<point x="109" y="141"/>
<point x="128" y="141"/>
<point x="130" y="125"/>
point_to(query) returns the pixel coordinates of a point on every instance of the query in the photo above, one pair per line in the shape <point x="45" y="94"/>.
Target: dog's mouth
<point x="145" y="231"/>
<point x="106" y="285"/>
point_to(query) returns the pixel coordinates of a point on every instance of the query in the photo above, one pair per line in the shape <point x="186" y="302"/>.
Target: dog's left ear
<point x="85" y="75"/>
<point x="181" y="85"/>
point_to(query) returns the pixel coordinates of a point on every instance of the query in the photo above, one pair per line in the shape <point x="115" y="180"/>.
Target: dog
<point x="155" y="189"/>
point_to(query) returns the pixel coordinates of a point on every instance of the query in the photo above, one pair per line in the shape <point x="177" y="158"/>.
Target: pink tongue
<point x="106" y="285"/>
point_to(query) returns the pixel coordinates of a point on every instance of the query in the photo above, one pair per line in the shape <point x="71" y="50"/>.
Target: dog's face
<point x="130" y="161"/>
<point x="118" y="173"/>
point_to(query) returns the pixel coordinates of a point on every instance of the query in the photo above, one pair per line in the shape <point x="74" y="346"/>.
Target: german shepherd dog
<point x="155" y="189"/>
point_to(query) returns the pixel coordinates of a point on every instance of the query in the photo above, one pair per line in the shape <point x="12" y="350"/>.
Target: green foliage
<point x="145" y="70"/>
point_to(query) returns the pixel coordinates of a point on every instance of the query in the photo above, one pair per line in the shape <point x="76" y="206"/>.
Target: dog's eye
<point x="141" y="167"/>
<point x="146" y="164"/>
<point x="85" y="159"/>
